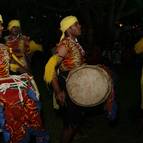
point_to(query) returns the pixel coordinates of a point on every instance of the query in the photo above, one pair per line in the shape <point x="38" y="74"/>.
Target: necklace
<point x="78" y="45"/>
<point x="12" y="40"/>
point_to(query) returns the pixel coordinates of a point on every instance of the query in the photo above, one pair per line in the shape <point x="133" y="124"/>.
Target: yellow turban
<point x="66" y="23"/>
<point x="1" y="18"/>
<point x="13" y="23"/>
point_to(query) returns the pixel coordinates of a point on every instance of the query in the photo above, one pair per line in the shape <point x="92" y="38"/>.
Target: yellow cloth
<point x="50" y="68"/>
<point x="14" y="67"/>
<point x="35" y="47"/>
<point x="1" y="18"/>
<point x="20" y="61"/>
<point x="66" y="23"/>
<point x="139" y="46"/>
<point x="142" y="89"/>
<point x="139" y="49"/>
<point x="13" y="23"/>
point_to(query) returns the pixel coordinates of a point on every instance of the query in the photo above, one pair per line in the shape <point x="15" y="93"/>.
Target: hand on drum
<point x="60" y="97"/>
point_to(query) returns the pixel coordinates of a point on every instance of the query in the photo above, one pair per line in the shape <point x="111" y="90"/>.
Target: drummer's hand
<point x="60" y="97"/>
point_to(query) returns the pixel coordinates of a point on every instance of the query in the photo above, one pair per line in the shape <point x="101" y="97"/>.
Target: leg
<point x="68" y="134"/>
<point x="73" y="117"/>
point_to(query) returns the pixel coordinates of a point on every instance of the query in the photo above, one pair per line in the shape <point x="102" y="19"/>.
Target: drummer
<point x="19" y="105"/>
<point x="69" y="55"/>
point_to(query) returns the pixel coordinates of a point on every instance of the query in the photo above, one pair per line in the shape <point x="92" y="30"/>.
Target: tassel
<point x="35" y="47"/>
<point x="50" y="68"/>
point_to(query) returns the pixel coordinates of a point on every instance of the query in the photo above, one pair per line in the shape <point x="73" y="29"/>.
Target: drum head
<point x="88" y="85"/>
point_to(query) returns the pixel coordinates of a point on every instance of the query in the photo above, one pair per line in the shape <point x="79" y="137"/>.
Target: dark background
<point x="110" y="28"/>
<point x="100" y="20"/>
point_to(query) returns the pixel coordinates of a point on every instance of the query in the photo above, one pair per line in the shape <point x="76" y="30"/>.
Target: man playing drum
<point x="69" y="55"/>
<point x="19" y="105"/>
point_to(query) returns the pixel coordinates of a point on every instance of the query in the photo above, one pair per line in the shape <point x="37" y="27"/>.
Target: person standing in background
<point x="21" y="47"/>
<point x="69" y="55"/>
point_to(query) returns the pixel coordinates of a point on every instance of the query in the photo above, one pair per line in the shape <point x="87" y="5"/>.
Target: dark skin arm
<point x="59" y="94"/>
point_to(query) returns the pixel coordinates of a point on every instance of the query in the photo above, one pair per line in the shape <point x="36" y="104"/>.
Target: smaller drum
<point x="89" y="85"/>
<point x="19" y="107"/>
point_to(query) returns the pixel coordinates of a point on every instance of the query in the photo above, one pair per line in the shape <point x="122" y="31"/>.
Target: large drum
<point x="89" y="85"/>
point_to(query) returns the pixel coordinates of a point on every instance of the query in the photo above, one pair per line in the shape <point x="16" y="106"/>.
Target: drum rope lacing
<point x="17" y="83"/>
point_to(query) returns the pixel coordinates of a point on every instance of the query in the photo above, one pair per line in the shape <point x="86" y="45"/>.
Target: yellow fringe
<point x="17" y="60"/>
<point x="50" y="68"/>
<point x="139" y="46"/>
<point x="14" y="67"/>
<point x="35" y="46"/>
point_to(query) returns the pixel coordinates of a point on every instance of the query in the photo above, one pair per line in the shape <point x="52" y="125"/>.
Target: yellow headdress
<point x="1" y="18"/>
<point x="13" y="23"/>
<point x="66" y="23"/>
